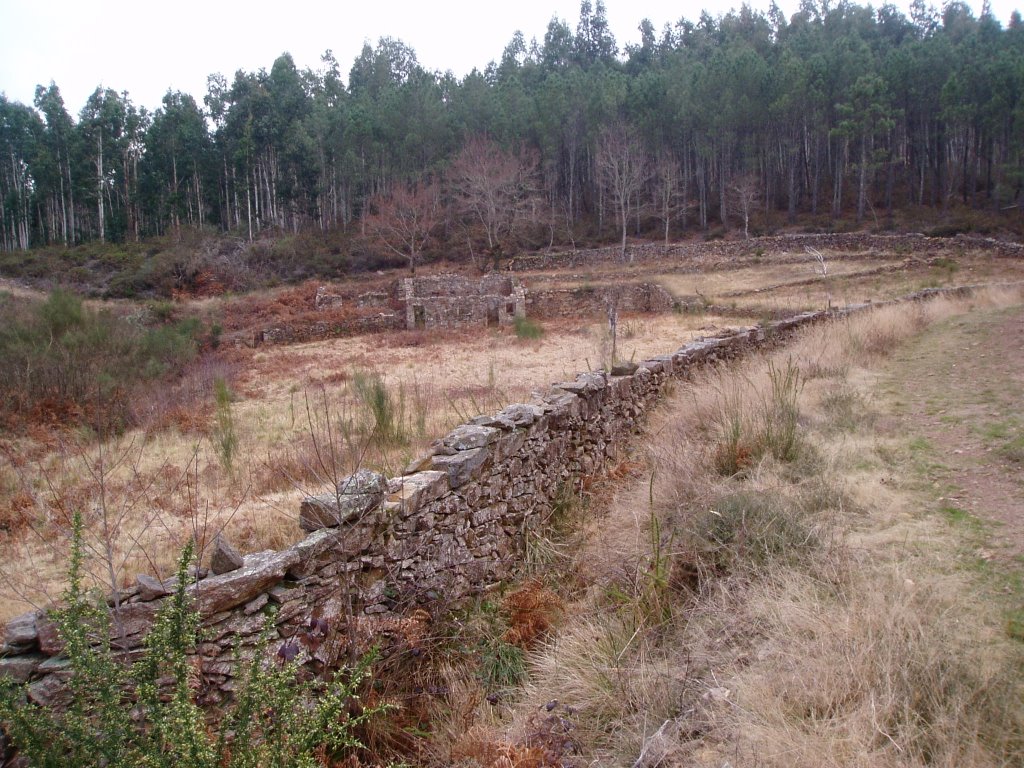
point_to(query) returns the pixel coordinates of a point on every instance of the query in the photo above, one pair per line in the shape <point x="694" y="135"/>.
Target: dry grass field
<point x="798" y="575"/>
<point x="798" y="566"/>
<point x="241" y="467"/>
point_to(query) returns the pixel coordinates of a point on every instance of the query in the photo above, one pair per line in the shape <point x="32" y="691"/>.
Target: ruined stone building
<point x="451" y="301"/>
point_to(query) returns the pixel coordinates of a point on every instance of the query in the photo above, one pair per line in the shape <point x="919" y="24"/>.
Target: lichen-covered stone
<point x="356" y="495"/>
<point x="512" y="416"/>
<point x="466" y="437"/>
<point x="50" y="691"/>
<point x="259" y="572"/>
<point x="20" y="668"/>
<point x="50" y="641"/>
<point x="461" y="466"/>
<point x="21" y="631"/>
<point x="584" y="383"/>
<point x="150" y="588"/>
<point x="311" y="548"/>
<point x="224" y="557"/>
<point x="419" y="489"/>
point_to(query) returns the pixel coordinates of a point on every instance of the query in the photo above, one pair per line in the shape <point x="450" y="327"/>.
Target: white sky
<point x="147" y="47"/>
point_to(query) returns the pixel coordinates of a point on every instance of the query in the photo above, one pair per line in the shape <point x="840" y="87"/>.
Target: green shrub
<point x="224" y="436"/>
<point x="64" y="360"/>
<point x="387" y="413"/>
<point x="275" y="720"/>
<point x="527" y="329"/>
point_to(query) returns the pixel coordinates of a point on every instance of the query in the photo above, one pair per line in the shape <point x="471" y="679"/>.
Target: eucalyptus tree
<point x="112" y="129"/>
<point x="58" y="145"/>
<point x="177" y="155"/>
<point x="20" y="134"/>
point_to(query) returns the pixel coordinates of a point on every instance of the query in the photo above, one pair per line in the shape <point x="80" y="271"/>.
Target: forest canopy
<point x="842" y="108"/>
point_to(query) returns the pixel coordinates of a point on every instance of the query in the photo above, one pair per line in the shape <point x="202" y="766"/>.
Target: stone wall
<point x="382" y="553"/>
<point x="861" y="243"/>
<point x="594" y="300"/>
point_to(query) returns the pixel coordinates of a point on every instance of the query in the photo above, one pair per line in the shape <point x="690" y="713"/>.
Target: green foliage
<point x="502" y="665"/>
<point x="122" y="715"/>
<point x="69" y="361"/>
<point x="388" y="414"/>
<point x="224" y="436"/>
<point x="527" y="328"/>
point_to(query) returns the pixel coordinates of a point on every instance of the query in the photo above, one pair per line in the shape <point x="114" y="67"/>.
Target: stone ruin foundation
<point x="452" y="301"/>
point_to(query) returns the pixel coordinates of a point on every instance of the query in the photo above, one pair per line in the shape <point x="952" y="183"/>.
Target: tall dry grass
<point x="812" y="617"/>
<point x="236" y="459"/>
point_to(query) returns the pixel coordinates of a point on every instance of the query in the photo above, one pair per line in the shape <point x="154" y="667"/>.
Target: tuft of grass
<point x="527" y="329"/>
<point x="502" y="665"/>
<point x="779" y="433"/>
<point x="750" y="531"/>
<point x="387" y="412"/>
<point x="224" y="436"/>
<point x="734" y="450"/>
<point x="755" y="421"/>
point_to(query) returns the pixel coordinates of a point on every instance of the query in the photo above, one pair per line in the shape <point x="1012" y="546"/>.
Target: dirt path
<point x="960" y="390"/>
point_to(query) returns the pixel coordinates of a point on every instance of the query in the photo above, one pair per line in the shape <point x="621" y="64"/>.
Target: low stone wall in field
<point x="385" y="555"/>
<point x="594" y="300"/>
<point x="725" y="250"/>
<point x="382" y="553"/>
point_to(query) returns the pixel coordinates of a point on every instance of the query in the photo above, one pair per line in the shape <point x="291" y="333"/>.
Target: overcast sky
<point x="149" y="47"/>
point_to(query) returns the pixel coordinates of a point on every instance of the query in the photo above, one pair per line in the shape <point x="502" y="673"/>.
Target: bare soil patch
<point x="960" y="389"/>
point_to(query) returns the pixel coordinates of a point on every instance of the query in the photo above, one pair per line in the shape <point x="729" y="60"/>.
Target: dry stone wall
<point x="380" y="550"/>
<point x="594" y="300"/>
<point x="727" y="250"/>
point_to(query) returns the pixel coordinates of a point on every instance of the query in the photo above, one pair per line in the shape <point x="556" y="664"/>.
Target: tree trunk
<point x="99" y="186"/>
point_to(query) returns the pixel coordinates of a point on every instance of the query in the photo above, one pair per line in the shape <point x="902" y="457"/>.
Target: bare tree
<point x="494" y="190"/>
<point x="405" y="219"/>
<point x="746" y="192"/>
<point x="668" y="191"/>
<point x="624" y="169"/>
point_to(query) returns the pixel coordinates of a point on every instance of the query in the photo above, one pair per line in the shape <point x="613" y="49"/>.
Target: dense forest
<point x="840" y="110"/>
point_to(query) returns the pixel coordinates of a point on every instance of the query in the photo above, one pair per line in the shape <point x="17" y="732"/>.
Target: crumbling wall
<point x="452" y="301"/>
<point x="587" y="300"/>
